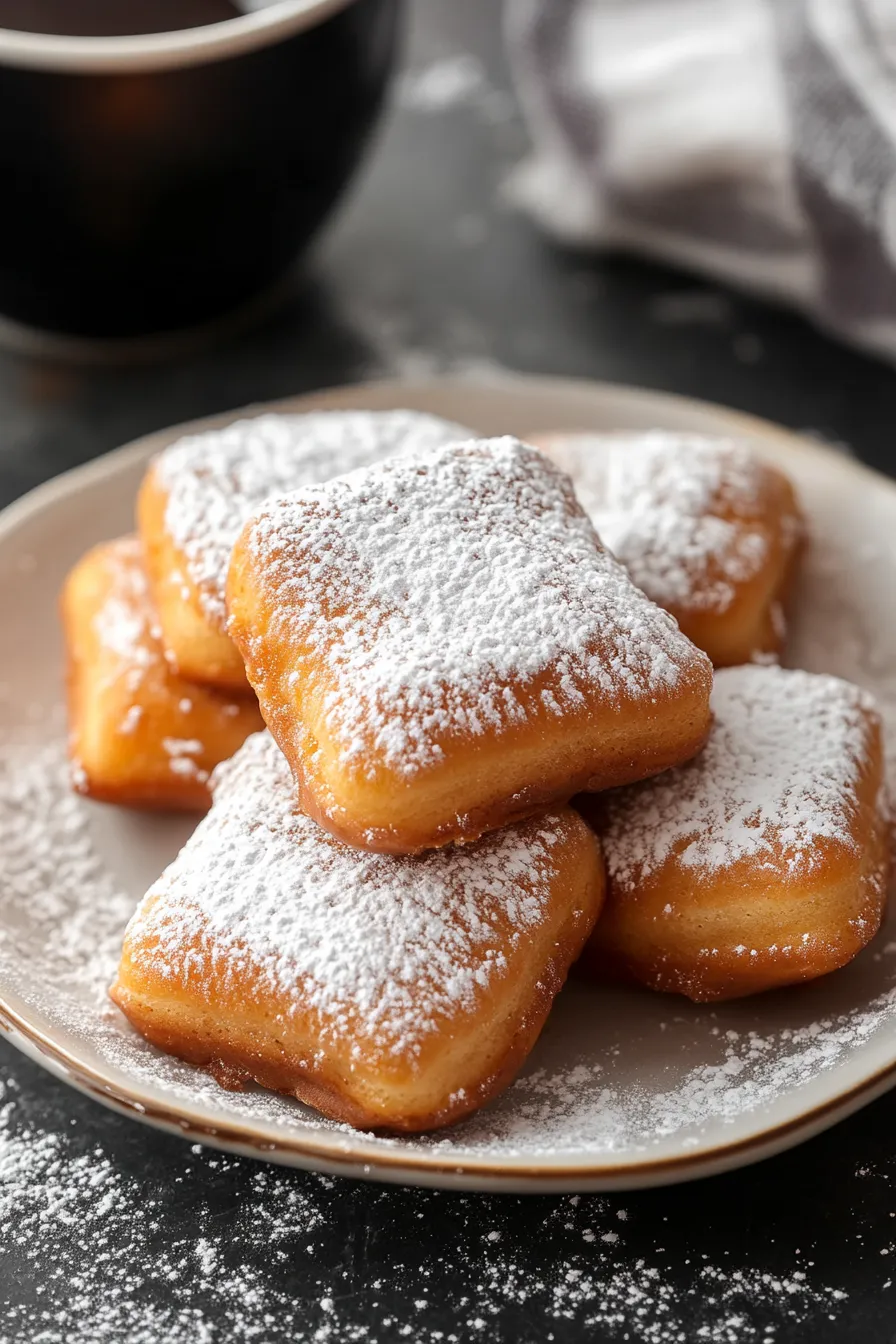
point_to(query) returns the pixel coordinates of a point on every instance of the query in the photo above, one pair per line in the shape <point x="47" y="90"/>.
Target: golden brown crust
<point x="197" y="647"/>
<point x="632" y="747"/>
<point x="139" y="734"/>
<point x="236" y="1063"/>
<point x="223" y="1016"/>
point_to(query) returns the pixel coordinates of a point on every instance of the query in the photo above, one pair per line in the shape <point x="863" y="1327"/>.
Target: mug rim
<point x="168" y="50"/>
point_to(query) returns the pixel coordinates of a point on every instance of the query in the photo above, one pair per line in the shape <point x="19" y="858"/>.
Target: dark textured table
<point x="110" y="1231"/>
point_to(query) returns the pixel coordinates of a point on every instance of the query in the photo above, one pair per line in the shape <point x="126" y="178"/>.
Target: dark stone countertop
<point x="112" y="1232"/>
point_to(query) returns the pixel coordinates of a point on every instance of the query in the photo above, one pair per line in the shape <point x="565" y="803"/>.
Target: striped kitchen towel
<point x="751" y="140"/>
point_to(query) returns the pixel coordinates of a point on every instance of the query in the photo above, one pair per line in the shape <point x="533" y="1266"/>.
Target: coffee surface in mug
<point x="119" y="18"/>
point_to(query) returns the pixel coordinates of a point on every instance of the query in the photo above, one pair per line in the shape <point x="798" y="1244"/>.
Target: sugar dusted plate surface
<point x="625" y="1088"/>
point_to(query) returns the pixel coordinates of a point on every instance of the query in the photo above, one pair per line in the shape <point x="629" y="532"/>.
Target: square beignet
<point x="200" y="490"/>
<point x="138" y="734"/>
<point x="391" y="993"/>
<point x="708" y="530"/>
<point x="764" y="861"/>
<point x="441" y="645"/>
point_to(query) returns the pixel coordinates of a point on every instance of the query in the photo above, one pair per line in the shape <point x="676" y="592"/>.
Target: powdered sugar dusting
<point x="433" y="591"/>
<point x="125" y="624"/>
<point x="683" y="513"/>
<point x="779" y="772"/>
<point x="591" y="1106"/>
<point x="385" y="948"/>
<point x="72" y="939"/>
<point x="216" y="480"/>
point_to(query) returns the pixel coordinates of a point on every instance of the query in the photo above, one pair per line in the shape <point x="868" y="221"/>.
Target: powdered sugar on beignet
<point x="655" y="500"/>
<point x="375" y="975"/>
<point x="780" y="772"/>
<point x="764" y="860"/>
<point x="703" y="525"/>
<point x="216" y="480"/>
<point x="426" y="606"/>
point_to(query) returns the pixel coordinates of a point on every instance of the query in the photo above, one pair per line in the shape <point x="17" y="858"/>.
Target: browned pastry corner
<point x="138" y="733"/>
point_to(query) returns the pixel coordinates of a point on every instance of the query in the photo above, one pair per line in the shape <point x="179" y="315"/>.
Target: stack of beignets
<point x="444" y="651"/>
<point x="441" y="645"/>
<point x="157" y="693"/>
<point x="391" y="887"/>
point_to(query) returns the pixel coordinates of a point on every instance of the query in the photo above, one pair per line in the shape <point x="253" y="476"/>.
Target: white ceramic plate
<point x="624" y="1088"/>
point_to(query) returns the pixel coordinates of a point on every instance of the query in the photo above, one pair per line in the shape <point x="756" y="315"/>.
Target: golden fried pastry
<point x="392" y="993"/>
<point x="703" y="526"/>
<point x="138" y="733"/>
<point x="198" y="493"/>
<point x="762" y="862"/>
<point x="441" y="645"/>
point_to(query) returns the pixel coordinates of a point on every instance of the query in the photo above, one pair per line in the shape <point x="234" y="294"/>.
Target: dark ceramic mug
<point x="154" y="183"/>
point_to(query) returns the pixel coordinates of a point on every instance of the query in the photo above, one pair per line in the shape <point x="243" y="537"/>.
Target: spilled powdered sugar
<point x="72" y="941"/>
<point x="217" y="479"/>
<point x="387" y="949"/>
<point x="274" y="1256"/>
<point x="683" y="513"/>
<point x="780" y="771"/>
<point x="424" y="596"/>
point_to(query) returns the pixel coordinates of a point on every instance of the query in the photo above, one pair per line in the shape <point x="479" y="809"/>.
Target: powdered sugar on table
<point x="264" y="1257"/>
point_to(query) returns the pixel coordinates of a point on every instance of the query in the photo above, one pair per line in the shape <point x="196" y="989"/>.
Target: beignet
<point x="762" y="862"/>
<point x="441" y="645"/>
<point x="392" y="993"/>
<point x="199" y="491"/>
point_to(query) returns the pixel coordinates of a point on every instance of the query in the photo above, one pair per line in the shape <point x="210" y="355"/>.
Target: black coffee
<point x="116" y="18"/>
